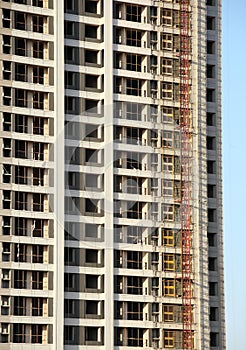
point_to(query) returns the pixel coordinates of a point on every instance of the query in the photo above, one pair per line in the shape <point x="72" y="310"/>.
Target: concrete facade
<point x="90" y="112"/>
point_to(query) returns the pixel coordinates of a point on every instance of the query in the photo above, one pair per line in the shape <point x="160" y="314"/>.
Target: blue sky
<point x="234" y="148"/>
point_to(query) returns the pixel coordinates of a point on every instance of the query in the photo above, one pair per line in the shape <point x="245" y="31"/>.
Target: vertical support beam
<point x="59" y="175"/>
<point x="108" y="175"/>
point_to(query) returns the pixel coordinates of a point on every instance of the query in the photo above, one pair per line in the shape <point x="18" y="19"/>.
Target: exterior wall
<point x="112" y="253"/>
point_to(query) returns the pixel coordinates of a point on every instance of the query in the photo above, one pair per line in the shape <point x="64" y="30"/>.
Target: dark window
<point x="133" y="37"/>
<point x="211" y="239"/>
<point x="133" y="13"/>
<point x="19" y="333"/>
<point x="211" y="119"/>
<point x="20" y="72"/>
<point x="211" y="143"/>
<point x="91" y="31"/>
<point x="210" y="47"/>
<point x="20" y="98"/>
<point x="38" y="24"/>
<point x="213" y="288"/>
<point x="210" y="23"/>
<point x="38" y="100"/>
<point x="20" y="47"/>
<point x="21" y="123"/>
<point x="211" y="215"/>
<point x="211" y="167"/>
<point x="212" y="264"/>
<point x="210" y="71"/>
<point x="38" y="49"/>
<point x="214" y="339"/>
<point x="38" y="75"/>
<point x="211" y="95"/>
<point x="133" y="62"/>
<point x="20" y="21"/>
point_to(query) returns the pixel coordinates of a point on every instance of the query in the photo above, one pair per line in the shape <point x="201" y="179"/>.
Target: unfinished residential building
<point x="111" y="195"/>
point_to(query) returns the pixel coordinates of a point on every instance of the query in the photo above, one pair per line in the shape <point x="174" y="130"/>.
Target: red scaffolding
<point x="186" y="163"/>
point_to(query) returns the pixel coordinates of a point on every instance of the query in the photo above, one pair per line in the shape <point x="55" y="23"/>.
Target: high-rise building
<point x="111" y="179"/>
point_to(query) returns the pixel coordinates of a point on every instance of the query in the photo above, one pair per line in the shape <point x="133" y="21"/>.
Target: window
<point x="6" y="18"/>
<point x="38" y="100"/>
<point x="69" y="28"/>
<point x="133" y="13"/>
<point x="21" y="123"/>
<point x="214" y="314"/>
<point x="211" y="119"/>
<point x="211" y="143"/>
<point x="211" y="167"/>
<point x="167" y="91"/>
<point x="91" y="31"/>
<point x="20" y="279"/>
<point x="133" y="62"/>
<point x="20" y="227"/>
<point x="20" y="175"/>
<point x="168" y="237"/>
<point x="210" y="47"/>
<point x="38" y="49"/>
<point x="38" y="75"/>
<point x="169" y="262"/>
<point x="36" y="333"/>
<point x="210" y="71"/>
<point x="167" y="41"/>
<point x="20" y="72"/>
<point x="133" y="37"/>
<point x="214" y="339"/>
<point x="168" y="311"/>
<point x="211" y="215"/>
<point x="6" y="70"/>
<point x="38" y="24"/>
<point x="20" y="21"/>
<point x="211" y="95"/>
<point x="167" y="17"/>
<point x="20" y="98"/>
<point x="38" y="177"/>
<point x="211" y="191"/>
<point x="134" y="285"/>
<point x="37" y="306"/>
<point x="211" y="2"/>
<point x="91" y="6"/>
<point x="133" y="87"/>
<point x="135" y="337"/>
<point x="210" y="23"/>
<point x="20" y="47"/>
<point x="91" y="334"/>
<point x="211" y="239"/>
<point x="6" y="44"/>
<point x="37" y="254"/>
<point x="38" y="151"/>
<point x="91" y="81"/>
<point x="20" y="253"/>
<point x="69" y="6"/>
<point x="37" y="280"/>
<point x="169" y="287"/>
<point x="38" y="126"/>
<point x="38" y="202"/>
<point x="20" y="201"/>
<point x="212" y="264"/>
<point x="37" y="228"/>
<point x="38" y="3"/>
<point x="7" y="118"/>
<point x="19" y="333"/>
<point x="167" y="66"/>
<point x="134" y="260"/>
<point x="213" y="288"/>
<point x="19" y="306"/>
<point x="91" y="56"/>
<point x="69" y="54"/>
<point x="169" y="339"/>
